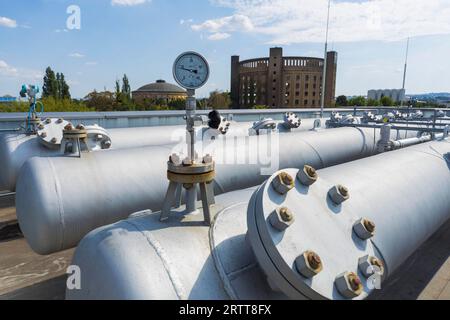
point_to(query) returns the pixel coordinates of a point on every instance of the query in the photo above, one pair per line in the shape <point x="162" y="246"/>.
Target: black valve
<point x="214" y="119"/>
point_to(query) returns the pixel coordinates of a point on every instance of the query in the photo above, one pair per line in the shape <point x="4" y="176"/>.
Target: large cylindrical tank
<point x="249" y="254"/>
<point x="16" y="149"/>
<point x="61" y="199"/>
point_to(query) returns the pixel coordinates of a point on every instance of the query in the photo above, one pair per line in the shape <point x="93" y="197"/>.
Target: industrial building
<point x="397" y="95"/>
<point x="278" y="81"/>
<point x="160" y="90"/>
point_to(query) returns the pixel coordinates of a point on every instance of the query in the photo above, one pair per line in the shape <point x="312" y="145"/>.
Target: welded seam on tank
<point x="167" y="263"/>
<point x="216" y="258"/>
<point x="60" y="203"/>
<point x="317" y="152"/>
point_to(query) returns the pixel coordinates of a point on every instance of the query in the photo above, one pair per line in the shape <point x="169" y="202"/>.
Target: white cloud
<point x="9" y="71"/>
<point x="233" y="23"/>
<point x="298" y="21"/>
<point x="128" y="3"/>
<point x="219" y="36"/>
<point x="188" y="21"/>
<point x="91" y="63"/>
<point x="7" y="22"/>
<point x="76" y="55"/>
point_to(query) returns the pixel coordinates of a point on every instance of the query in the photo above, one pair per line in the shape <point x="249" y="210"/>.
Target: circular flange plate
<point x="50" y="132"/>
<point x="320" y="226"/>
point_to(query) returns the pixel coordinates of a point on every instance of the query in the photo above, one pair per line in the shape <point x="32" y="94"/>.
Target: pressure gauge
<point x="191" y="70"/>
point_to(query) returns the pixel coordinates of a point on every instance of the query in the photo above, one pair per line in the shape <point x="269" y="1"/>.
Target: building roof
<point x="161" y="86"/>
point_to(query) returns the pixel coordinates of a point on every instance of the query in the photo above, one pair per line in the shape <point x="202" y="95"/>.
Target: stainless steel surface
<point x="59" y="200"/>
<point x="16" y="149"/>
<point x="142" y="258"/>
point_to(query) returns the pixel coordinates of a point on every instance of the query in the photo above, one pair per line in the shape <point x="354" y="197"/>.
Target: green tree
<point x="126" y="88"/>
<point x="50" y="87"/>
<point x="373" y="103"/>
<point x="58" y="86"/>
<point x="219" y="100"/>
<point x="359" y="101"/>
<point x="64" y="88"/>
<point x="341" y="101"/>
<point x="386" y="101"/>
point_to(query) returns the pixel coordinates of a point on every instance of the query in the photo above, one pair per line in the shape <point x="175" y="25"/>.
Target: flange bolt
<point x="283" y="183"/>
<point x="309" y="264"/>
<point x="308" y="176"/>
<point x="339" y="194"/>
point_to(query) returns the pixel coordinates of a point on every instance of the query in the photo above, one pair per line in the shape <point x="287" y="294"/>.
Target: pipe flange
<point x="291" y="121"/>
<point x="98" y="138"/>
<point x="305" y="256"/>
<point x="265" y="124"/>
<point x="175" y="166"/>
<point x="191" y="178"/>
<point x="73" y="133"/>
<point x="50" y="132"/>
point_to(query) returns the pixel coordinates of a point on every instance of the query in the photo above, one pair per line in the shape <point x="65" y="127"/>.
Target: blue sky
<point x="142" y="38"/>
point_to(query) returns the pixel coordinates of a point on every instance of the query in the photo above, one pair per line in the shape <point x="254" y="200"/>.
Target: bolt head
<point x="283" y="183"/>
<point x="175" y="159"/>
<point x="364" y="229"/>
<point x="54" y="140"/>
<point x="281" y="219"/>
<point x="207" y="159"/>
<point x="349" y="285"/>
<point x="187" y="162"/>
<point x="41" y="126"/>
<point x="80" y="127"/>
<point x="60" y="120"/>
<point x="48" y="121"/>
<point x="44" y="134"/>
<point x="106" y="144"/>
<point x="309" y="264"/>
<point x="339" y="194"/>
<point x="308" y="176"/>
<point x="371" y="265"/>
<point x="68" y="127"/>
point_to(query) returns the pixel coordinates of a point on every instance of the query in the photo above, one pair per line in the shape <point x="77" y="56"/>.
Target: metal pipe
<point x="245" y="255"/>
<point x="16" y="149"/>
<point x="61" y="199"/>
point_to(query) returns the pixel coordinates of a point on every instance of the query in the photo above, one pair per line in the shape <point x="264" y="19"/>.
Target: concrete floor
<point x="25" y="275"/>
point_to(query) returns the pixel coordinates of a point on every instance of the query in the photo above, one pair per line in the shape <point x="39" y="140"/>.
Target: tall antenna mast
<point x="406" y="68"/>
<point x="322" y="104"/>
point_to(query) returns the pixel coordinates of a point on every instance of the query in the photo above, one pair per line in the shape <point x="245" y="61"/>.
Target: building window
<point x="287" y="102"/>
<point x="306" y="86"/>
<point x="297" y="86"/>
<point x="305" y="102"/>
<point x="298" y="78"/>
<point x="274" y="73"/>
<point x="306" y="93"/>
<point x="297" y="102"/>
<point x="315" y="78"/>
<point x="297" y="93"/>
<point x="314" y="94"/>
<point x="306" y="78"/>
<point x="314" y="102"/>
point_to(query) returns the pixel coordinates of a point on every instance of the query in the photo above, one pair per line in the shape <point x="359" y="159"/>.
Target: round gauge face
<point x="191" y="70"/>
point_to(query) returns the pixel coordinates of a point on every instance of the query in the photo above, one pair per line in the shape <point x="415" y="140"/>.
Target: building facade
<point x="282" y="82"/>
<point x="396" y="95"/>
<point x="160" y="90"/>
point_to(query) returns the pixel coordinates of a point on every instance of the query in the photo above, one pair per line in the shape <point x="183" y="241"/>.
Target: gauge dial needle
<point x="190" y="70"/>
